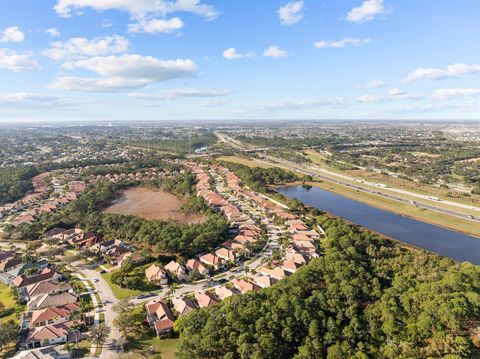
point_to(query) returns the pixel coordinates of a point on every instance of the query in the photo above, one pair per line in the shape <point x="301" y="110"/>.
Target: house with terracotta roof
<point x="196" y="265"/>
<point x="52" y="315"/>
<point x="243" y="286"/>
<point x="226" y="255"/>
<point x="51" y="300"/>
<point x="156" y="275"/>
<point x="297" y="227"/>
<point x="205" y="299"/>
<point x="212" y="260"/>
<point x="176" y="270"/>
<point x="7" y="254"/>
<point x="9" y="264"/>
<point x="263" y="281"/>
<point x="160" y="317"/>
<point x="223" y="292"/>
<point x="46" y="287"/>
<point x="183" y="305"/>
<point x="48" y="335"/>
<point x="290" y="266"/>
<point x="55" y="233"/>
<point x="302" y="237"/>
<point x="45" y="274"/>
<point x="276" y="272"/>
<point x="296" y="257"/>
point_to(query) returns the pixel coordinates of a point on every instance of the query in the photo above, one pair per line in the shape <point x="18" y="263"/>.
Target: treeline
<point x="15" y="182"/>
<point x="365" y="297"/>
<point x="140" y="163"/>
<point x="259" y="178"/>
<point x="179" y="145"/>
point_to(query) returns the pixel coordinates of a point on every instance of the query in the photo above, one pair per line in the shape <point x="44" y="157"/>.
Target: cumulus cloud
<point x="94" y="84"/>
<point x="275" y="52"/>
<point x="232" y="54"/>
<point x="153" y="26"/>
<point x="374" y="84"/>
<point x="15" y="61"/>
<point x="367" y="11"/>
<point x="53" y="32"/>
<point x="12" y="34"/>
<point x="138" y="8"/>
<point x="445" y="94"/>
<point x="213" y="103"/>
<point x="338" y="44"/>
<point x="170" y="94"/>
<point x="25" y="99"/>
<point x="123" y="72"/>
<point x="291" y="13"/>
<point x="79" y="47"/>
<point x="396" y="92"/>
<point x="431" y="73"/>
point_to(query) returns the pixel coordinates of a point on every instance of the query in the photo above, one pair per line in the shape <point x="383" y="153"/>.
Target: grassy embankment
<point x="250" y="162"/>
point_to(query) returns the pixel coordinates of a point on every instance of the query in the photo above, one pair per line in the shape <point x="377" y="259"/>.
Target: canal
<point x="436" y="239"/>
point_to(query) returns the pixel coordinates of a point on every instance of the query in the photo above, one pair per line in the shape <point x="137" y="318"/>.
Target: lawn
<point x="9" y="303"/>
<point x="119" y="292"/>
<point x="166" y="347"/>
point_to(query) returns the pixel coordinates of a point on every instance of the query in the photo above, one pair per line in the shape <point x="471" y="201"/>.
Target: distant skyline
<point x="117" y="60"/>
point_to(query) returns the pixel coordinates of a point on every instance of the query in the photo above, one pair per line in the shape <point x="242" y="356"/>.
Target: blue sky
<point x="64" y="60"/>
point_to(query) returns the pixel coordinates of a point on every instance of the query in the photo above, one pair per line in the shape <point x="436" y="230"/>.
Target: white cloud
<point x="338" y="44"/>
<point x="452" y="71"/>
<point x="53" y="32"/>
<point x="232" y="54"/>
<point x="170" y="94"/>
<point x="445" y="94"/>
<point x="291" y="13"/>
<point x="93" y="84"/>
<point x="396" y="92"/>
<point x="275" y="52"/>
<point x="371" y="98"/>
<point x="374" y="84"/>
<point x="156" y="25"/>
<point x="367" y="11"/>
<point x="79" y="47"/>
<point x="214" y="103"/>
<point x="138" y="8"/>
<point x="25" y="99"/>
<point x="15" y="61"/>
<point x="12" y="34"/>
<point x="123" y="72"/>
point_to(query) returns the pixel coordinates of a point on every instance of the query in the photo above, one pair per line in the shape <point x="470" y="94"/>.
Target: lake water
<point x="430" y="237"/>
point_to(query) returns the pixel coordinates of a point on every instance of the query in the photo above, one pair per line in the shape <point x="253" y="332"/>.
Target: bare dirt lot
<point x="153" y="205"/>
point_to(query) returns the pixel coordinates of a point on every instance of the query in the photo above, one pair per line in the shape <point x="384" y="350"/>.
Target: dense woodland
<point x="178" y="144"/>
<point x="365" y="297"/>
<point x="257" y="178"/>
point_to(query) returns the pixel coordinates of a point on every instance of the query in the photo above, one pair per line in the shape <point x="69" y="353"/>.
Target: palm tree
<point x="99" y="333"/>
<point x="69" y="348"/>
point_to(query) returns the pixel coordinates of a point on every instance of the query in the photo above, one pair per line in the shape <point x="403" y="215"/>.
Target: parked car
<point x="146" y="295"/>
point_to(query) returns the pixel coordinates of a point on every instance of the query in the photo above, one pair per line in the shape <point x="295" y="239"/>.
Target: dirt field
<point x="153" y="205"/>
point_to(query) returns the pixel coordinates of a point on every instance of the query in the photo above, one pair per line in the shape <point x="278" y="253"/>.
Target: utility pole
<point x="189" y="142"/>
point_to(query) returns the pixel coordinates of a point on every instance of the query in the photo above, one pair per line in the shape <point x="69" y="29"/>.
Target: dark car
<point x="146" y="295"/>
